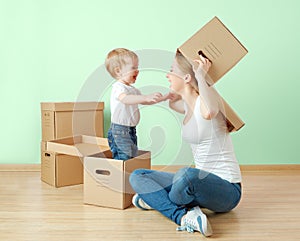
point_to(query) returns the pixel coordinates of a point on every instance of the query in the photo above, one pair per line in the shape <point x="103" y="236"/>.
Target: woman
<point x="215" y="182"/>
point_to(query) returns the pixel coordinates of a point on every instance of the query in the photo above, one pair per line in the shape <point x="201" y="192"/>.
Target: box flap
<point x="78" y="145"/>
<point x="72" y="106"/>
<point x="218" y="44"/>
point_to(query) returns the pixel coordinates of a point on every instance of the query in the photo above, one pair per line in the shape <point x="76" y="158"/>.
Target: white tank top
<point x="211" y="145"/>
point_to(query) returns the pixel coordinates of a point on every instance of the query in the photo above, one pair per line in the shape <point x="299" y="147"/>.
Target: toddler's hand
<point x="166" y="96"/>
<point x="174" y="97"/>
<point x="153" y="98"/>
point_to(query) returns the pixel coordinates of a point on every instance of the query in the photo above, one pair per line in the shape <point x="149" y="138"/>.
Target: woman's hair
<point x="186" y="68"/>
<point x="118" y="58"/>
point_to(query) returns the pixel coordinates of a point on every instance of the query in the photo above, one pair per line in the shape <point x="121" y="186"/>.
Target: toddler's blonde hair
<point x="117" y="58"/>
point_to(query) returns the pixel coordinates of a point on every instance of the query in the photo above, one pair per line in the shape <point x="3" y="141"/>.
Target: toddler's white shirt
<point x="127" y="115"/>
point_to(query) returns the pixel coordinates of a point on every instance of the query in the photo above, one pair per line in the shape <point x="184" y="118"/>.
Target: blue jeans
<point x="122" y="141"/>
<point x="172" y="194"/>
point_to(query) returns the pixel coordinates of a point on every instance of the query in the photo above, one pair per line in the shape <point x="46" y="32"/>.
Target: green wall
<point x="51" y="49"/>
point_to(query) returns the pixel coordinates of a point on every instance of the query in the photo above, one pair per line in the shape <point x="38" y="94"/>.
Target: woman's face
<point x="176" y="78"/>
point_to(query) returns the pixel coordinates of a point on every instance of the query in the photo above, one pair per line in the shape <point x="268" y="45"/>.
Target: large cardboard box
<point x="215" y="41"/>
<point x="59" y="169"/>
<point x="106" y="181"/>
<point x="64" y="119"/>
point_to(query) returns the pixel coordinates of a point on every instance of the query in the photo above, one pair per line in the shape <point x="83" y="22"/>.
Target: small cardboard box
<point x="60" y="169"/>
<point x="64" y="119"/>
<point x="218" y="44"/>
<point x="106" y="181"/>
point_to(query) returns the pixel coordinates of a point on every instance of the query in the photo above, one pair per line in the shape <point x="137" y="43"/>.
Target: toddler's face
<point x="130" y="71"/>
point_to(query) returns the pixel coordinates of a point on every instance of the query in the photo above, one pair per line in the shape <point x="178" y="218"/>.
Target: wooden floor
<point x="32" y="210"/>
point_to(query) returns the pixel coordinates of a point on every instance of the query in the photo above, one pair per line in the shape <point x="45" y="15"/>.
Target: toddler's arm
<point x="141" y="99"/>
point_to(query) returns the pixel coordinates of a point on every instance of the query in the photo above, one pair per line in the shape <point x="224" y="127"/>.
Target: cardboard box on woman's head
<point x="215" y="42"/>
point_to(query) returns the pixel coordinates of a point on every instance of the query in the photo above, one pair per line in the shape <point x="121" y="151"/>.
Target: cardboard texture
<point x="78" y="145"/>
<point x="233" y="121"/>
<point x="61" y="170"/>
<point x="64" y="119"/>
<point x="218" y="44"/>
<point x="215" y="42"/>
<point x="106" y="181"/>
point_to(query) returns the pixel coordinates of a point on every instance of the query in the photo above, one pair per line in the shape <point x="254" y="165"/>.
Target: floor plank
<point x="33" y="210"/>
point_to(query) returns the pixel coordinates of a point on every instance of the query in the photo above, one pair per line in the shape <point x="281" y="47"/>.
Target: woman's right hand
<point x="201" y="67"/>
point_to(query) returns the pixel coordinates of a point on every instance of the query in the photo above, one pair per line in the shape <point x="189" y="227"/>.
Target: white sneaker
<point x="196" y="220"/>
<point x="139" y="203"/>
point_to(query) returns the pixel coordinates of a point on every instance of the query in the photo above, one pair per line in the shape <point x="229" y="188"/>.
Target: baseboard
<point x="20" y="167"/>
<point x="263" y="168"/>
<point x="170" y="168"/>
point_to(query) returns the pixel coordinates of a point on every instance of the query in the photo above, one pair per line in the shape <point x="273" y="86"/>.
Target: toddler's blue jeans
<point x="122" y="141"/>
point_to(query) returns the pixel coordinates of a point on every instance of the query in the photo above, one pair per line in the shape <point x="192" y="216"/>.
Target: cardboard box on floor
<point x="106" y="181"/>
<point x="215" y="41"/>
<point x="64" y="119"/>
<point x="61" y="170"/>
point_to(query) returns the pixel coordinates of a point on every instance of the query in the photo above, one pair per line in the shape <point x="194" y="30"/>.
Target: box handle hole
<point x="103" y="172"/>
<point x="47" y="154"/>
<point x="200" y="52"/>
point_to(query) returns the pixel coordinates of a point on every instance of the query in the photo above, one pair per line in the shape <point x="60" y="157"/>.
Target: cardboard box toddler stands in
<point x="106" y="180"/>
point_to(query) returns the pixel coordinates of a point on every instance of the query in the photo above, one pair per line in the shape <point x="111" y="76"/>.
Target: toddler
<point x="122" y="64"/>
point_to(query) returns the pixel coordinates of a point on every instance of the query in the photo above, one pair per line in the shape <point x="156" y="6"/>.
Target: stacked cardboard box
<point x="65" y="119"/>
<point x="68" y="158"/>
